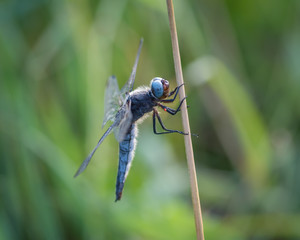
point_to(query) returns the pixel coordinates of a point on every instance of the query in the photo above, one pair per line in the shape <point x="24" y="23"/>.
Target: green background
<point x="241" y="65"/>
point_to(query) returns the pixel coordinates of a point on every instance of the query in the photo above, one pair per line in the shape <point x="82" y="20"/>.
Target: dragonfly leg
<point x="155" y="114"/>
<point x="171" y="93"/>
<point x="170" y="110"/>
<point x="176" y="90"/>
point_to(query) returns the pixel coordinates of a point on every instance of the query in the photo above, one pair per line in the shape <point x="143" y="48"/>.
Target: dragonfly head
<point x="159" y="87"/>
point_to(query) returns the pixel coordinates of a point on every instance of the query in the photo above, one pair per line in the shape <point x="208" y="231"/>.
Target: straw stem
<point x="186" y="125"/>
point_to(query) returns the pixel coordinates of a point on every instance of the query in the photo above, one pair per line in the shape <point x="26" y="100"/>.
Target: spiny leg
<point x="155" y="114"/>
<point x="171" y="110"/>
<point x="176" y="90"/>
<point x="171" y="93"/>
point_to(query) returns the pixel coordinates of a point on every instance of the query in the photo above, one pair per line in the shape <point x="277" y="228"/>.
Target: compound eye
<point x="157" y="88"/>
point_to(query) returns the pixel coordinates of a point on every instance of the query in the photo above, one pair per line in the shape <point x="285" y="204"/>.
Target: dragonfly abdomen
<point x="126" y="154"/>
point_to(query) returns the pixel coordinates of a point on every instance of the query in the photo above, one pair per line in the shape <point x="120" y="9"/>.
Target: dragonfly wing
<point x="88" y="159"/>
<point x="125" y="121"/>
<point x="129" y="85"/>
<point x="111" y="100"/>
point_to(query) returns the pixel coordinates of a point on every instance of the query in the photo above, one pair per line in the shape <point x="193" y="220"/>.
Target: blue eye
<point x="157" y="88"/>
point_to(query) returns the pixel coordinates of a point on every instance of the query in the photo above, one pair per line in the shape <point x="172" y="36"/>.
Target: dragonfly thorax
<point x="159" y="87"/>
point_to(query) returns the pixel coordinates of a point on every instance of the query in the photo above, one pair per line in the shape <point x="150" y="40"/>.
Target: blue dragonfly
<point x="124" y="108"/>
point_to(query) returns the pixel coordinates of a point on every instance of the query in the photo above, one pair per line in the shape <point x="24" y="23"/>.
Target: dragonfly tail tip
<point x="118" y="196"/>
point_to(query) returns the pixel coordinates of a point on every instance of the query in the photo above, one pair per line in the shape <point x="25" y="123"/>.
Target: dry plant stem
<point x="186" y="125"/>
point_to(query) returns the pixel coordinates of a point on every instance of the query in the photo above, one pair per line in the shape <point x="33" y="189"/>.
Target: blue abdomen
<point x="126" y="153"/>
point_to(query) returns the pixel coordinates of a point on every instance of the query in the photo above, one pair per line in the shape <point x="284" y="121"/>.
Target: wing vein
<point x="88" y="159"/>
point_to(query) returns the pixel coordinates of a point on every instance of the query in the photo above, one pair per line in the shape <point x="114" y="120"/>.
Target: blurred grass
<point x="55" y="57"/>
<point x="236" y="118"/>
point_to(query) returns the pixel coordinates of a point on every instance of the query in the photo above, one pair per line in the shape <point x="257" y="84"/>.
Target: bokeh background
<point x="241" y="63"/>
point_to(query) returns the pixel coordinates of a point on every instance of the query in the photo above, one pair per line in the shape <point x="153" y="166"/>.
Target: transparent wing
<point x="129" y="84"/>
<point x="88" y="159"/>
<point x="124" y="122"/>
<point x="111" y="100"/>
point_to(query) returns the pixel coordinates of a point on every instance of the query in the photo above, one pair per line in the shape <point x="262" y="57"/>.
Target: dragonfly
<point x="124" y="108"/>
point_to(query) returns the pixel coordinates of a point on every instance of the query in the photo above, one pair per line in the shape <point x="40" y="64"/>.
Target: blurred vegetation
<point x="241" y="66"/>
